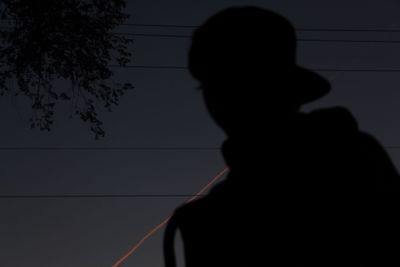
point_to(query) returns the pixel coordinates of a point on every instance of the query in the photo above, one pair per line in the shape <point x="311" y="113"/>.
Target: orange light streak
<point x="165" y="221"/>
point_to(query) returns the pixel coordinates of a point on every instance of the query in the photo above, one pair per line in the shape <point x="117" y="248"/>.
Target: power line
<point x="172" y="67"/>
<point x="106" y="148"/>
<point x="359" y="70"/>
<point x="348" y="30"/>
<point x="317" y="69"/>
<point x="150" y="67"/>
<point x="154" y="35"/>
<point x="350" y="41"/>
<point x="98" y="196"/>
<point x="297" y="29"/>
<point x="125" y="148"/>
<point x="157" y="227"/>
<point x="300" y="40"/>
<point x="159" y="25"/>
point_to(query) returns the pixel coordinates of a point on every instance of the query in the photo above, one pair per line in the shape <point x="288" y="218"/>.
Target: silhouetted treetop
<point x="72" y="40"/>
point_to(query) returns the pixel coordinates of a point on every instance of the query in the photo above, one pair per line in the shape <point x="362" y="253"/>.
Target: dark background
<point x="165" y="116"/>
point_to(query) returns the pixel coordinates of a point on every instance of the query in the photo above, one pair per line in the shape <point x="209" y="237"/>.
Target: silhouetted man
<point x="300" y="185"/>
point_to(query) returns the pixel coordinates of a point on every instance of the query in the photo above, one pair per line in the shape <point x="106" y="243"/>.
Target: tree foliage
<point x="69" y="40"/>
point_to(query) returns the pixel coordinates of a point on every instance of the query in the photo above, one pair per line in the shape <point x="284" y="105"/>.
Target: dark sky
<point x="165" y="110"/>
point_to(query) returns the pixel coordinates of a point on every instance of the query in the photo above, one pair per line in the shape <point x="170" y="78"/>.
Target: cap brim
<point x="310" y="85"/>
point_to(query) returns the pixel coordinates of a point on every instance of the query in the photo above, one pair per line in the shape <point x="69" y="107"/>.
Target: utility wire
<point x="159" y="25"/>
<point x="124" y="148"/>
<point x="165" y="221"/>
<point x="177" y="36"/>
<point x="297" y="29"/>
<point x="350" y="41"/>
<point x="69" y="196"/>
<point x="348" y="30"/>
<point x="300" y="40"/>
<point x="317" y="69"/>
<point x="106" y="148"/>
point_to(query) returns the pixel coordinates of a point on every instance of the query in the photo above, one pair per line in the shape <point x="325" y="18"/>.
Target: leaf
<point x="69" y="40"/>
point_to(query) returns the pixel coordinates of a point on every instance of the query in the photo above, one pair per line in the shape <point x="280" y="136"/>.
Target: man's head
<point x="244" y="59"/>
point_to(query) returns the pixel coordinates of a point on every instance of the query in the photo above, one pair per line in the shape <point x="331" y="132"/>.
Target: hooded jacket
<point x="298" y="196"/>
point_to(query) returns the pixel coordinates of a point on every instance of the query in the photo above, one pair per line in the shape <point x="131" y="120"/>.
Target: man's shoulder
<point x="334" y="118"/>
<point x="337" y="129"/>
<point x="193" y="208"/>
<point x="218" y="202"/>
